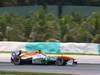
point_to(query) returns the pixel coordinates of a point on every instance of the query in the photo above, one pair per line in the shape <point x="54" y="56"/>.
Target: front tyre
<point x="74" y="63"/>
<point x="60" y="61"/>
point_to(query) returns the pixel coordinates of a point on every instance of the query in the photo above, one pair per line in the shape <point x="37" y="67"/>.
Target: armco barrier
<point x="9" y="46"/>
<point x="87" y="48"/>
<point x="52" y="47"/>
<point x="46" y="47"/>
<point x="98" y="48"/>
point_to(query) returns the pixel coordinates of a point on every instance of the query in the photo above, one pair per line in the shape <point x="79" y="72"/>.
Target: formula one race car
<point x="36" y="57"/>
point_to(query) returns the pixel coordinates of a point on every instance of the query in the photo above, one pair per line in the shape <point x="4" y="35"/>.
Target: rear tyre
<point x="60" y="61"/>
<point x="17" y="61"/>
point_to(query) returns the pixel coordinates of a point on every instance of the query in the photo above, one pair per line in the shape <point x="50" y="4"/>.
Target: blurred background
<point x="50" y="20"/>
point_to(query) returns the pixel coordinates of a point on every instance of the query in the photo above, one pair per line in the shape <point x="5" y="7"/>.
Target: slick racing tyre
<point x="60" y="61"/>
<point x="74" y="63"/>
<point x="17" y="61"/>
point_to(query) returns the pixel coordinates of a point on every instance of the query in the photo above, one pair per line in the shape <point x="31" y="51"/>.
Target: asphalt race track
<point x="76" y="70"/>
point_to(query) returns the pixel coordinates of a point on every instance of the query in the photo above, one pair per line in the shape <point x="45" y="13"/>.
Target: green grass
<point x="60" y="53"/>
<point x="74" y="54"/>
<point x="5" y="51"/>
<point x="27" y="73"/>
